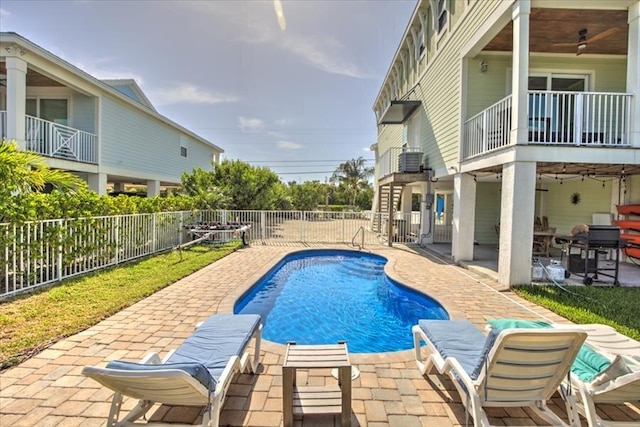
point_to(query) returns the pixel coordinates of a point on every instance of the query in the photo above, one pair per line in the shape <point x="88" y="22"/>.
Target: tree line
<point x="32" y="191"/>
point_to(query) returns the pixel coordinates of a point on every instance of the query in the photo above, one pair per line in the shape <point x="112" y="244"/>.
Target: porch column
<point x="426" y="215"/>
<point x="153" y="188"/>
<point x="97" y="182"/>
<point x="390" y="209"/>
<point x="16" y="98"/>
<point x="633" y="72"/>
<point x="464" y="213"/>
<point x="516" y="223"/>
<point x="520" y="75"/>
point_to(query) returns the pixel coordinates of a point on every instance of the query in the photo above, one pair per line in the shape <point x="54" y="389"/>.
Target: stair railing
<point x="353" y="239"/>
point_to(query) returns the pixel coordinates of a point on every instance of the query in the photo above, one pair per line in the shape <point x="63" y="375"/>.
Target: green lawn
<point x="618" y="307"/>
<point x="32" y="322"/>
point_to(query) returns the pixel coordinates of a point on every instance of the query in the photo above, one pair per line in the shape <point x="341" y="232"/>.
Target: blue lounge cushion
<point x="219" y="338"/>
<point x="588" y="363"/>
<point x="461" y="340"/>
<point x="196" y="370"/>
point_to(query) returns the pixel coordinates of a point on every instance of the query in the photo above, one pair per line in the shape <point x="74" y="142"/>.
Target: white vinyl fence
<point x="43" y="252"/>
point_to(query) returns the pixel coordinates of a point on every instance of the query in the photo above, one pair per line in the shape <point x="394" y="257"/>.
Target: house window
<point x="53" y="110"/>
<point x="183" y="151"/>
<point x="441" y="13"/>
<point x="420" y="45"/>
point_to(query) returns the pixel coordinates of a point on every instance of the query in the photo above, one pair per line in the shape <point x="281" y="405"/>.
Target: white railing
<point x="390" y="160"/>
<point x="555" y="118"/>
<point x="56" y="140"/>
<point x="579" y="118"/>
<point x="43" y="252"/>
<point x="488" y="130"/>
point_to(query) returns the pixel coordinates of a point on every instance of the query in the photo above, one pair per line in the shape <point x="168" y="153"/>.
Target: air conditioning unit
<point x="410" y="162"/>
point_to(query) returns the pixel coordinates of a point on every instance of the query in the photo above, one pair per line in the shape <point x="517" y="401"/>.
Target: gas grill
<point x="584" y="249"/>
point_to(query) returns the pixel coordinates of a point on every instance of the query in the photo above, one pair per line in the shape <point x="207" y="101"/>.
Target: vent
<point x="410" y="162"/>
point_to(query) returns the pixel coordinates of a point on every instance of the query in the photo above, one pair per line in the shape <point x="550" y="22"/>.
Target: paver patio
<point x="49" y="390"/>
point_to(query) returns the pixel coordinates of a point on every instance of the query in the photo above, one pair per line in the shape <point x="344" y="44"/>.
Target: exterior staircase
<point x="382" y="208"/>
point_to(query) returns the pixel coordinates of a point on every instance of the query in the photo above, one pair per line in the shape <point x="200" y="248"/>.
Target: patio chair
<point x="197" y="373"/>
<point x="606" y="370"/>
<point x="508" y="368"/>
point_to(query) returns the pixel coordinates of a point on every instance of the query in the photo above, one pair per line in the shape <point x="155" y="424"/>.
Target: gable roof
<point x="130" y="88"/>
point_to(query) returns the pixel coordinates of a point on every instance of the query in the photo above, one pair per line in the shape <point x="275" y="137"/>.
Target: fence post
<point x="181" y="228"/>
<point x="263" y="220"/>
<point x="60" y="269"/>
<point x="344" y="224"/>
<point x="116" y="238"/>
<point x="154" y="234"/>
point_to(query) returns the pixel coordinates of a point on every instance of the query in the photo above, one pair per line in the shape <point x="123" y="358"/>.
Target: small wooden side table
<point x="303" y="400"/>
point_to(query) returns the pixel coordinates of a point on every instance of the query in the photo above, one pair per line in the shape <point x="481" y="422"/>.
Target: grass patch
<point x="616" y="307"/>
<point x="31" y="322"/>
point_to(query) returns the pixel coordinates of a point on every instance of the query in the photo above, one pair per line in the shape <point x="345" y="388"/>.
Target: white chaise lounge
<point x="509" y="368"/>
<point x="198" y="373"/>
<point x="606" y="370"/>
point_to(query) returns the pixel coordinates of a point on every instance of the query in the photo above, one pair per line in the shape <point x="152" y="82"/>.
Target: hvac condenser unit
<point x="409" y="162"/>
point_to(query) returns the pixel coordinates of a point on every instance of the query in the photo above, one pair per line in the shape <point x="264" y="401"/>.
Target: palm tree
<point x="354" y="175"/>
<point x="24" y="171"/>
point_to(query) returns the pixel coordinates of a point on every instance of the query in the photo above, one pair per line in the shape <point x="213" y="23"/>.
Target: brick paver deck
<point x="49" y="390"/>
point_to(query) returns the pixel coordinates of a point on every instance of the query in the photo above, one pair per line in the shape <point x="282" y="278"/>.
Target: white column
<point x="633" y="72"/>
<point x="405" y="203"/>
<point x="97" y="182"/>
<point x="16" y="99"/>
<point x="520" y="74"/>
<point x="516" y="223"/>
<point x="153" y="188"/>
<point x="426" y="215"/>
<point x="464" y="212"/>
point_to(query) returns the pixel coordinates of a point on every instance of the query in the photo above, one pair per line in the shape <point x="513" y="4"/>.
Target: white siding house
<point x="104" y="131"/>
<point x="511" y="107"/>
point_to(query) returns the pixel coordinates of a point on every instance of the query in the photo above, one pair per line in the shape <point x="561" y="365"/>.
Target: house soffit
<point x="34" y="78"/>
<point x="556" y="31"/>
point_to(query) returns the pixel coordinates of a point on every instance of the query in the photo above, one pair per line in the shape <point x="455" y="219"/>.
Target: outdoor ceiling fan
<point x="583" y="40"/>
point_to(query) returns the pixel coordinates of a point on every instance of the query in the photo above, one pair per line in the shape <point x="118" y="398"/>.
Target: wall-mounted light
<point x="484" y="66"/>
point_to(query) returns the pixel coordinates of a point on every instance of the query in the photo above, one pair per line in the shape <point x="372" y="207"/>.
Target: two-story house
<point x="105" y="131"/>
<point x="500" y="112"/>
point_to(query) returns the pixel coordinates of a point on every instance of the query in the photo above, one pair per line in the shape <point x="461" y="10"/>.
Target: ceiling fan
<point x="582" y="42"/>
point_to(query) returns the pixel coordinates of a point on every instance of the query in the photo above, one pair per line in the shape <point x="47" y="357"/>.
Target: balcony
<point x="56" y="140"/>
<point x="555" y="118"/>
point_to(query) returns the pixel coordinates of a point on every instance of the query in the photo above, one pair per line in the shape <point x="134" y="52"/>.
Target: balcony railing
<point x="555" y="118"/>
<point x="56" y="140"/>
<point x="391" y="160"/>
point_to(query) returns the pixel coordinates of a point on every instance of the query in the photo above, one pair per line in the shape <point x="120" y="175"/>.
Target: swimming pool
<point x="324" y="296"/>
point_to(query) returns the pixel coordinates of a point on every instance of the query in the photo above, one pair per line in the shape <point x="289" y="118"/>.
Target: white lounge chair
<point x="620" y="383"/>
<point x="508" y="368"/>
<point x="198" y="373"/>
<point x="615" y="382"/>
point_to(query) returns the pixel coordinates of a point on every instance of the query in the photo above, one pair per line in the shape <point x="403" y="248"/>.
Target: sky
<point x="293" y="93"/>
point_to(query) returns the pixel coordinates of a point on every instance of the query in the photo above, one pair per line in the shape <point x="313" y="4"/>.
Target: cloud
<point x="4" y="12"/>
<point x="187" y="93"/>
<point x="254" y="24"/>
<point x="327" y="55"/>
<point x="250" y="125"/>
<point x="288" y="145"/>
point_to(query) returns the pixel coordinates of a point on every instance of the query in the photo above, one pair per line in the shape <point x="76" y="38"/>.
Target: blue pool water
<point x="322" y="297"/>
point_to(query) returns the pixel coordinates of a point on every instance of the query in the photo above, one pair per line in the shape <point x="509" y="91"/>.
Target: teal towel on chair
<point x="588" y="363"/>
